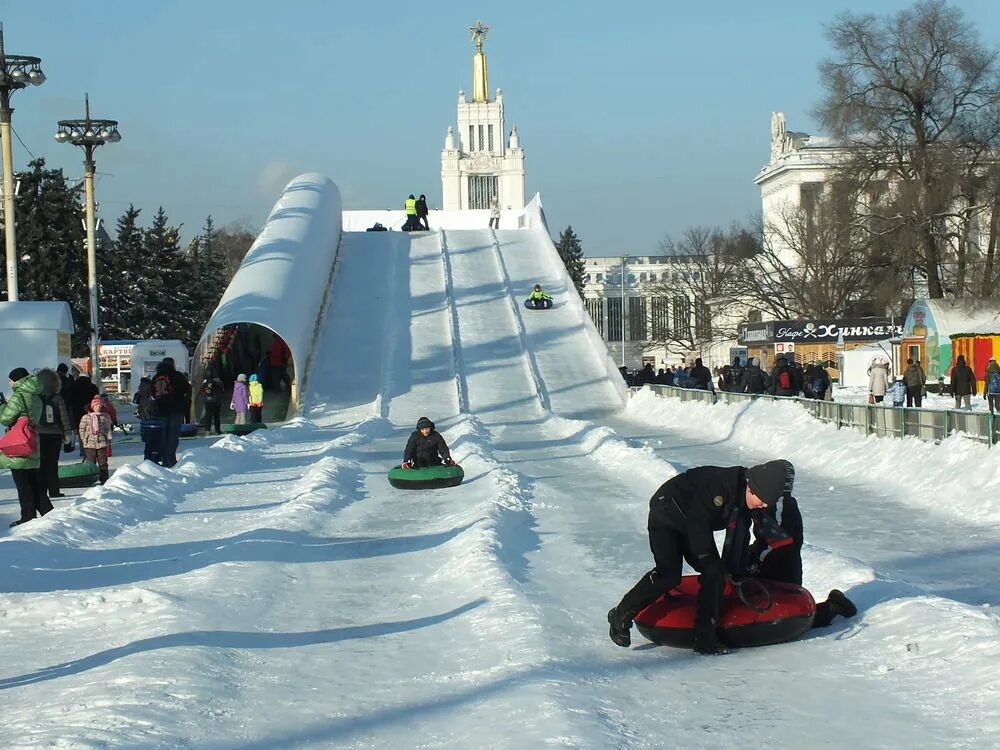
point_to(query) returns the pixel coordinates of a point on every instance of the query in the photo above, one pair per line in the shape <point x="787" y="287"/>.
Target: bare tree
<point x="232" y="243"/>
<point x="820" y="260"/>
<point x="696" y="301"/>
<point x="911" y="95"/>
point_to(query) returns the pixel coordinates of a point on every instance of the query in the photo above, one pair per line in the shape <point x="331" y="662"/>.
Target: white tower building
<point x="478" y="166"/>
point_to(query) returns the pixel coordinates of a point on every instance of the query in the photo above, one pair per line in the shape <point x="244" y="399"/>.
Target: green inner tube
<point x="243" y="429"/>
<point x="80" y="474"/>
<point x="429" y="477"/>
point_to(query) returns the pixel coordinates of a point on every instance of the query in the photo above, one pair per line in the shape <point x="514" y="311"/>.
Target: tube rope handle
<point x="738" y="585"/>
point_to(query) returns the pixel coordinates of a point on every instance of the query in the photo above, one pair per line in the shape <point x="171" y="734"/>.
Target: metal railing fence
<point x="868" y="419"/>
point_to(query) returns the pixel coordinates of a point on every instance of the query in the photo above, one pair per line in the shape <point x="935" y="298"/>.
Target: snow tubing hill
<point x="77" y="475"/>
<point x="427" y="478"/>
<point x="546" y="305"/>
<point x="242" y="429"/>
<point x="786" y="612"/>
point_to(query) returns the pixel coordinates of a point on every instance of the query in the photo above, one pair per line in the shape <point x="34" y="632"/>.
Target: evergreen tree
<point x="51" y="245"/>
<point x="571" y="252"/>
<point x="209" y="276"/>
<point x="162" y="290"/>
<point x="120" y="267"/>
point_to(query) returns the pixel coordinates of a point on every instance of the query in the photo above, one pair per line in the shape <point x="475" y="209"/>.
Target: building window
<point x="490" y="132"/>
<point x="586" y="278"/>
<point x="682" y="317"/>
<point x="661" y="318"/>
<point x="482" y="190"/>
<point x="472" y="138"/>
<point x="702" y="321"/>
<point x="614" y="318"/>
<point x="642" y="277"/>
<point x="637" y="319"/>
<point x="755" y="316"/>
<point x="600" y="278"/>
<point x="480" y="137"/>
<point x="664" y="276"/>
<point x="595" y="306"/>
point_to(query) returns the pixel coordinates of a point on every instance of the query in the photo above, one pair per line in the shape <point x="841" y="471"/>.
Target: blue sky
<point x="638" y="119"/>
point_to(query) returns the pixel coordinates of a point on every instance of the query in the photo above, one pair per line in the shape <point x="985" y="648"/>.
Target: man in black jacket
<point x="754" y="379"/>
<point x="426" y="447"/>
<point x="683" y="513"/>
<point x="422" y="212"/>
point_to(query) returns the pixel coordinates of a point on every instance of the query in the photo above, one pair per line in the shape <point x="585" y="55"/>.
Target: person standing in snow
<point x="25" y="402"/>
<point x="754" y="379"/>
<point x="915" y="379"/>
<point x="426" y="447"/>
<point x="494" y="214"/>
<point x="55" y="431"/>
<point x="95" y="434"/>
<point x="422" y="212"/>
<point x="683" y="514"/>
<point x="878" y="382"/>
<point x="211" y="393"/>
<point x="991" y="385"/>
<point x="701" y="376"/>
<point x="963" y="383"/>
<point x="255" y="400"/>
<point x="782" y="379"/>
<point x="411" y="214"/>
<point x="241" y="399"/>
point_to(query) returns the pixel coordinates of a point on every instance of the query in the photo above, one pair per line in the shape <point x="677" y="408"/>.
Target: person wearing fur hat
<point x="95" y="433"/>
<point x="426" y="447"/>
<point x="25" y="402"/>
<point x="683" y="514"/>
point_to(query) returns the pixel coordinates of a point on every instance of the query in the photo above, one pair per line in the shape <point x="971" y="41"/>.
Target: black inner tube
<point x="745" y="597"/>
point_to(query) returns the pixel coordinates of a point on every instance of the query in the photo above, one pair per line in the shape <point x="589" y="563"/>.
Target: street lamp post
<point x="623" y="310"/>
<point x="88" y="134"/>
<point x="16" y="72"/>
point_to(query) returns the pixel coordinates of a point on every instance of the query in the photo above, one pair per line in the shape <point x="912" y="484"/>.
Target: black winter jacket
<point x="754" y="380"/>
<point x="426" y="451"/>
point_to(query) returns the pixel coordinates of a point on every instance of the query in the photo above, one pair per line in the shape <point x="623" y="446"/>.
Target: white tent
<point x="34" y="335"/>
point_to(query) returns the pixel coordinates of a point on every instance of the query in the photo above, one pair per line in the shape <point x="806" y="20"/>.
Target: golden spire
<point x="480" y="85"/>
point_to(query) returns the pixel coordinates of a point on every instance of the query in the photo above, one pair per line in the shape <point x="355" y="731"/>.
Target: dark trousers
<point x="30" y="493"/>
<point x="422" y="221"/>
<point x="255" y="414"/>
<point x="495" y="222"/>
<point x="49" y="446"/>
<point x="213" y="413"/>
<point x="170" y="438"/>
<point x="914" y="396"/>
<point x="994" y="401"/>
<point x="670" y="548"/>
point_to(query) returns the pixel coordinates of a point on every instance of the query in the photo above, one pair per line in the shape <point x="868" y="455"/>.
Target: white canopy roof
<point x="43" y="316"/>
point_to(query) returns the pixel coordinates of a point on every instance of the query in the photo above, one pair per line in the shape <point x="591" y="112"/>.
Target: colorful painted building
<point x="978" y="346"/>
<point x="931" y="323"/>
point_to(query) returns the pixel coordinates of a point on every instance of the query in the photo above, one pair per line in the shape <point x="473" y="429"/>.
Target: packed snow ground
<point x="275" y="591"/>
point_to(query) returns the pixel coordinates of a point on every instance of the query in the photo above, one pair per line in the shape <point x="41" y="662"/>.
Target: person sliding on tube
<point x="426" y="447"/>
<point x="538" y="298"/>
<point x="684" y="512"/>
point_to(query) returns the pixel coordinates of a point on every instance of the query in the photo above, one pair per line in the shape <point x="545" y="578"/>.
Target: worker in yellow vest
<point x="411" y="215"/>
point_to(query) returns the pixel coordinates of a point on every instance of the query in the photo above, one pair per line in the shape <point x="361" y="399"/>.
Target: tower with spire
<point x="476" y="163"/>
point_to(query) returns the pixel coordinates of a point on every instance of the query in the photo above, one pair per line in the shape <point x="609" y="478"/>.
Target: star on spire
<point x="479" y="32"/>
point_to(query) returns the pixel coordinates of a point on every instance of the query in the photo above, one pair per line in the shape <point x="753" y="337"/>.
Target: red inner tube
<point x="767" y="612"/>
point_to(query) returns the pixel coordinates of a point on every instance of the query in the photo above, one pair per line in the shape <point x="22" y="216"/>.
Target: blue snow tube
<point x="545" y="304"/>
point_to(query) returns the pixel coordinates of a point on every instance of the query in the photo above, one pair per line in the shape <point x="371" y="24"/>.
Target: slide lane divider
<point x="531" y="364"/>
<point x="461" y="384"/>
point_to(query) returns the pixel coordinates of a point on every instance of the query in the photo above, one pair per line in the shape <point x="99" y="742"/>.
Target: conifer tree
<point x="571" y="252"/>
<point x="119" y="269"/>
<point x="209" y="274"/>
<point x="163" y="288"/>
<point x="51" y="244"/>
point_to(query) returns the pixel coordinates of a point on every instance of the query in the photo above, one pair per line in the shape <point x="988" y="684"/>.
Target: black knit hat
<point x="771" y="481"/>
<point x="424" y="422"/>
<point x="17" y="373"/>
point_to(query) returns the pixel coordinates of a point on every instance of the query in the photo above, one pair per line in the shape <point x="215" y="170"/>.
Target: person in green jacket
<point x="25" y="402"/>
<point x="538" y="298"/>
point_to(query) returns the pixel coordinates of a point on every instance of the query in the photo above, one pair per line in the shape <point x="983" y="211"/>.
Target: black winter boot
<point x="102" y="474"/>
<point x="840" y="604"/>
<point x="619" y="628"/>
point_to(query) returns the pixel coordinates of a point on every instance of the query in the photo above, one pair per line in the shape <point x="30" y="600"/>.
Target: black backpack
<point x="735" y="375"/>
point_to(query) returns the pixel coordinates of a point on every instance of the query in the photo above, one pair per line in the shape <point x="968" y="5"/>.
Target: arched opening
<point x="248" y="349"/>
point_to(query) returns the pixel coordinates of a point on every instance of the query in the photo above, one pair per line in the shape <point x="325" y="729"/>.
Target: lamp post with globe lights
<point x="88" y="134"/>
<point x="16" y="72"/>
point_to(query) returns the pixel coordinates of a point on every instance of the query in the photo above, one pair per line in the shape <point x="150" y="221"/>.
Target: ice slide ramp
<point x="435" y="322"/>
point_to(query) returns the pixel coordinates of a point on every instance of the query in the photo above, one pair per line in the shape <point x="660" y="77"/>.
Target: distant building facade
<point x="480" y="163"/>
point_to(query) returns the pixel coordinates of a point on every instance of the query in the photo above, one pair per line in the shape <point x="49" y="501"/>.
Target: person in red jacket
<point x="277" y="360"/>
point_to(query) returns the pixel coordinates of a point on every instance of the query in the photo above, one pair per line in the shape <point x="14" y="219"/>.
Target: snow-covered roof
<point x="955" y="316"/>
<point x="990" y="328"/>
<point x="35" y="315"/>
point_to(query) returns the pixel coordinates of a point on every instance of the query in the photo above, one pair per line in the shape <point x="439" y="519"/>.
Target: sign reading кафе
<point x="818" y="331"/>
